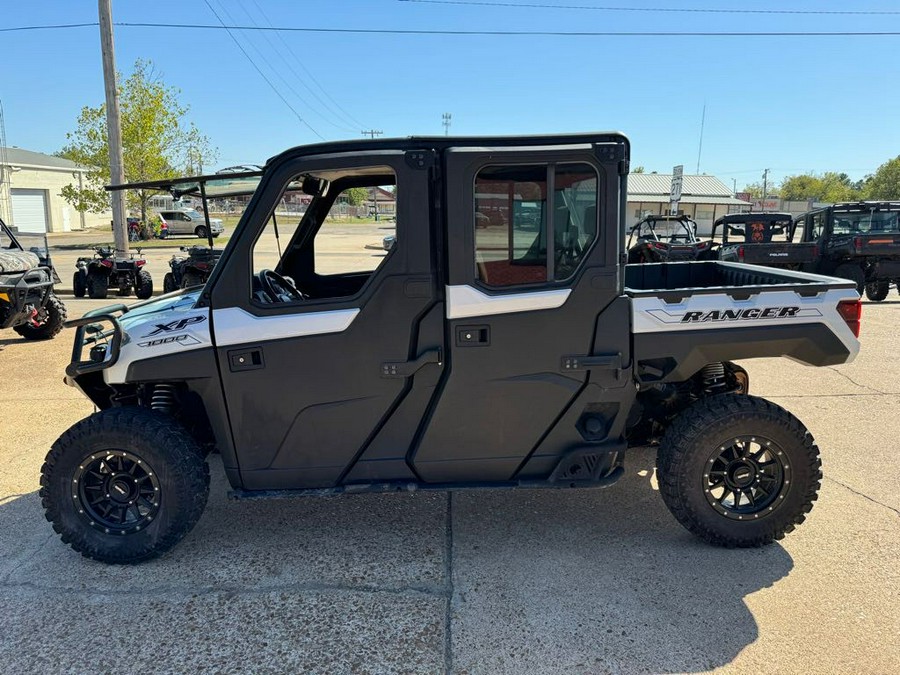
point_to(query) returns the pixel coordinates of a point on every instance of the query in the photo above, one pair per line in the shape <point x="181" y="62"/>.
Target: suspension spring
<point x="163" y="398"/>
<point x="713" y="378"/>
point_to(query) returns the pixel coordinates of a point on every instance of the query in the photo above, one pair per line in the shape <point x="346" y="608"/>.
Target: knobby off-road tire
<point x="97" y="286"/>
<point x="854" y="273"/>
<point x="878" y="290"/>
<point x="144" y="287"/>
<point x="79" y="286"/>
<point x="169" y="284"/>
<point x="124" y="485"/>
<point x="733" y="442"/>
<point x="191" y="279"/>
<point x="52" y="319"/>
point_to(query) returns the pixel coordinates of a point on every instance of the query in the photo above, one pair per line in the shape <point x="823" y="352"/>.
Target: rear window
<point x="533" y="224"/>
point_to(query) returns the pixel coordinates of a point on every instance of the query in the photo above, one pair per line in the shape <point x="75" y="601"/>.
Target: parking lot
<point x="591" y="581"/>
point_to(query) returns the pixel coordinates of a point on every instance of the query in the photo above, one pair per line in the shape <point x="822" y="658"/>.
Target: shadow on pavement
<point x="543" y="581"/>
<point x="587" y="581"/>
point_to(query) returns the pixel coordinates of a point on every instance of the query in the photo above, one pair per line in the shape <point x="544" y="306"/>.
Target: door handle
<point x="245" y="359"/>
<point x="407" y="368"/>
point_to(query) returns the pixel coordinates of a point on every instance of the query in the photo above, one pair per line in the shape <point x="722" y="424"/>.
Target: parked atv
<point x="94" y="276"/>
<point x="666" y="239"/>
<point x="191" y="270"/>
<point x="27" y="302"/>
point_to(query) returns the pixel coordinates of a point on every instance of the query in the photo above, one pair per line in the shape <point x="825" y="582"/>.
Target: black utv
<point x="500" y="343"/>
<point x="192" y="269"/>
<point x="666" y="239"/>
<point x="762" y="239"/>
<point x="28" y="304"/>
<point x="95" y="275"/>
<point x="859" y="241"/>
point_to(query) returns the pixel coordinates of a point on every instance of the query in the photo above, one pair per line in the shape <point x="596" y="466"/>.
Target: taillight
<point x="851" y="312"/>
<point x="815" y="251"/>
<point x="659" y="245"/>
<point x="703" y="244"/>
<point x="201" y="266"/>
<point x="140" y="263"/>
<point x="741" y="253"/>
<point x="857" y="244"/>
<point x="106" y="262"/>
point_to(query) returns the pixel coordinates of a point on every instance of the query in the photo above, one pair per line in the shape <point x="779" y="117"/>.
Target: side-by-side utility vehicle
<point x="762" y="239"/>
<point x="666" y="238"/>
<point x="28" y="304"/>
<point x="859" y="241"/>
<point x="478" y="352"/>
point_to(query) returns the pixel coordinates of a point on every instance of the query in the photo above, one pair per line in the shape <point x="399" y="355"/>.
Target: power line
<point x="487" y="33"/>
<point x="261" y="73"/>
<point x="311" y="77"/>
<point x="698" y="10"/>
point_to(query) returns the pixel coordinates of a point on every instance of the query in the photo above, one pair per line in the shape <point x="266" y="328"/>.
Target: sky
<point x="790" y="104"/>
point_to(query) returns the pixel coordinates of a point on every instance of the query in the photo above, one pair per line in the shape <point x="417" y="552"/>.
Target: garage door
<point x="29" y="210"/>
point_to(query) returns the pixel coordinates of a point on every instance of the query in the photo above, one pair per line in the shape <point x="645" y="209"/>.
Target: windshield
<point x="668" y="230"/>
<point x="863" y="222"/>
<point x="36" y="242"/>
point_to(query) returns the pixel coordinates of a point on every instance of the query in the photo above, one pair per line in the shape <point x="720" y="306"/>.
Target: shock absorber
<point x="713" y="376"/>
<point x="163" y="398"/>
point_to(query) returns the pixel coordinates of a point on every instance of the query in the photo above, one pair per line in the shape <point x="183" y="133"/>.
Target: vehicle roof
<point x="754" y="217"/>
<point x="666" y="217"/>
<point x="182" y="185"/>
<point x="850" y="207"/>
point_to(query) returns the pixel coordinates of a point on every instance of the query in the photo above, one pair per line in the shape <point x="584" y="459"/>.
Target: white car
<point x="190" y="221"/>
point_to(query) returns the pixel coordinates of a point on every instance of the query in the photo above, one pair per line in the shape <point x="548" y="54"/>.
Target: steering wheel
<point x="278" y="288"/>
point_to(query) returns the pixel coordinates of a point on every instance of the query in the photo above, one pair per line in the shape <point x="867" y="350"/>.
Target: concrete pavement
<point x="524" y="581"/>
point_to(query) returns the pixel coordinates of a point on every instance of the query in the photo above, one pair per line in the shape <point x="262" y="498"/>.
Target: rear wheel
<point x="877" y="290"/>
<point x="50" y="319"/>
<point x="79" y="287"/>
<point x="144" y="287"/>
<point x="854" y="273"/>
<point x="124" y="485"/>
<point x="738" y="470"/>
<point x="97" y="285"/>
<point x="191" y="279"/>
<point x="169" y="284"/>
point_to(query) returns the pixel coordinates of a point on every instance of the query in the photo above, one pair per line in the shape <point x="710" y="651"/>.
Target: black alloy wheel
<point x="746" y="477"/>
<point x="117" y="492"/>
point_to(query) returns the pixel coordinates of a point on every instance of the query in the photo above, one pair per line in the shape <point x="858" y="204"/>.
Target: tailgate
<point x="777" y="253"/>
<point x="877" y="244"/>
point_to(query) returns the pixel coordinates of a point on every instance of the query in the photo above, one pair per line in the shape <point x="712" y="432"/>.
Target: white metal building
<point x="703" y="198"/>
<point x="30" y="186"/>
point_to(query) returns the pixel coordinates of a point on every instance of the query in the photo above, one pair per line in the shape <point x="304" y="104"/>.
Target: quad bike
<point x="191" y="270"/>
<point x="94" y="276"/>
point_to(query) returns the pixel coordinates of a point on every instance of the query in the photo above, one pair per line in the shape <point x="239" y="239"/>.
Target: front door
<point x="312" y="376"/>
<point x="533" y="246"/>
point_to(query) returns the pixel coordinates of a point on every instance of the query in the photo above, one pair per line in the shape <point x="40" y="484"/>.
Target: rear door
<point x="525" y="289"/>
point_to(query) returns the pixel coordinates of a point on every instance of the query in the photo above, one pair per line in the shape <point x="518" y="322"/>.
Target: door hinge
<point x="408" y="368"/>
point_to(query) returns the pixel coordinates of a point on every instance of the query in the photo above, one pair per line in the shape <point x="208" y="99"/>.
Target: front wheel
<point x="79" y="287"/>
<point x="97" y="286"/>
<point x="124" y="485"/>
<point x="50" y="320"/>
<point x="144" y="287"/>
<point x="169" y="284"/>
<point x="738" y="470"/>
<point x="877" y="290"/>
<point x="200" y="231"/>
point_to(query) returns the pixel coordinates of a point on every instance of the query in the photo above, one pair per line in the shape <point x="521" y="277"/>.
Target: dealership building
<point x="703" y="198"/>
<point x="30" y="187"/>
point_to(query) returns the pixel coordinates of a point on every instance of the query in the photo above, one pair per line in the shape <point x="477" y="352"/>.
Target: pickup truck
<point x="859" y="241"/>
<point x="753" y="238"/>
<point x="479" y="352"/>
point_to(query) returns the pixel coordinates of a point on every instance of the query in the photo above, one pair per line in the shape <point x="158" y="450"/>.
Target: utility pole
<point x="734" y="184"/>
<point x="113" y="128"/>
<point x="445" y="120"/>
<point x="765" y="189"/>
<point x="372" y="133"/>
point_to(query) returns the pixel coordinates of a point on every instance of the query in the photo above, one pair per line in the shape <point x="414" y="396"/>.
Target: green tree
<point x="356" y="196"/>
<point x="830" y="186"/>
<point x="885" y="184"/>
<point x="638" y="169"/>
<point x="156" y="139"/>
<point x="756" y="190"/>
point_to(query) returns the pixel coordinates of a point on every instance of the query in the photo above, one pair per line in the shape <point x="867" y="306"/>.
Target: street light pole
<point x="114" y="128"/>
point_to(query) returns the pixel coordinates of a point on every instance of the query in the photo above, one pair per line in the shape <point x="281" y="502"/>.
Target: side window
<point x="328" y="234"/>
<point x="526" y="235"/>
<point x="816" y="223"/>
